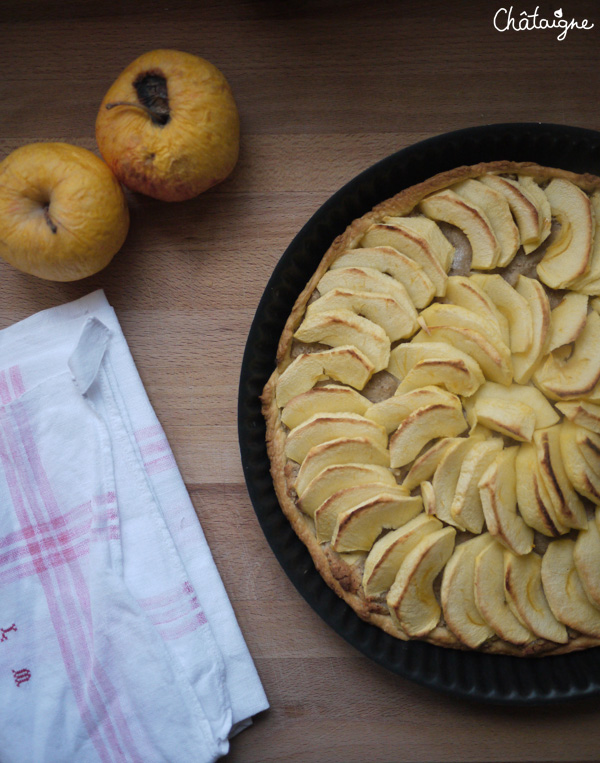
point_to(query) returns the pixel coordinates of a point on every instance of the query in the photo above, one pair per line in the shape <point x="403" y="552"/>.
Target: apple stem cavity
<point x="49" y="220"/>
<point x="151" y="89"/>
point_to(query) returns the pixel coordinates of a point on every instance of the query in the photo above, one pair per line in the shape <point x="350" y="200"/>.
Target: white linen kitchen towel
<point x="117" y="639"/>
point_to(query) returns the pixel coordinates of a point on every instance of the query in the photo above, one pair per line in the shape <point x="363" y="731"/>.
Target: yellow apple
<point x="169" y="127"/>
<point x="63" y="215"/>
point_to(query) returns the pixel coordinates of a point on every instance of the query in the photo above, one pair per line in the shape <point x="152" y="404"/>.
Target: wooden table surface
<point x="324" y="90"/>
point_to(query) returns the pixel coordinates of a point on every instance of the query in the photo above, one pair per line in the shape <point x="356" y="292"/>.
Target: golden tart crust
<point x="435" y="574"/>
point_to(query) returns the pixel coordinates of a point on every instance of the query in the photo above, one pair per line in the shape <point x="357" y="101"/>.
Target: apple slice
<point x="586" y="554"/>
<point x="430" y="231"/>
<point x="388" y="553"/>
<point x="578" y="375"/>
<point x="344" y="450"/>
<point x="466" y="508"/>
<point x="509" y="417"/>
<point x="589" y="445"/>
<point x="525" y="363"/>
<point x="526" y="598"/>
<point x="405" y="357"/>
<point x="567" y="320"/>
<point x="582" y="413"/>
<point x="533" y="499"/>
<point x="457" y="594"/>
<point x="493" y="359"/>
<point x="326" y="515"/>
<point x="564" y="591"/>
<point x="545" y="415"/>
<point x="331" y="398"/>
<point x="447" y="206"/>
<point x="443" y="314"/>
<point x="457" y="376"/>
<point x="524" y="208"/>
<point x="446" y="477"/>
<point x="338" y="328"/>
<point x="464" y="292"/>
<point x="343" y="364"/>
<point x="582" y="476"/>
<point x="589" y="283"/>
<point x="532" y="190"/>
<point x="512" y="306"/>
<point x="568" y="506"/>
<point x="428" y="497"/>
<point x="392" y="411"/>
<point x="426" y="464"/>
<point x="497" y="489"/>
<point x="337" y="477"/>
<point x="413" y="245"/>
<point x="423" y="425"/>
<point x="364" y="279"/>
<point x="490" y="596"/>
<point x="390" y="261"/>
<point x="397" y="320"/>
<point x="497" y="211"/>
<point x="330" y="426"/>
<point x="411" y="600"/>
<point x="568" y="256"/>
<point x="358" y="528"/>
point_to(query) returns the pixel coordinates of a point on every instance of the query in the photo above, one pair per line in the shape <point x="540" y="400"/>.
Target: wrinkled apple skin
<point x="197" y="148"/>
<point x="63" y="214"/>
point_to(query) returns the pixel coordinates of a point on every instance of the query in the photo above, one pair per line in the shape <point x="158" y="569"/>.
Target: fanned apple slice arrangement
<point x="433" y="422"/>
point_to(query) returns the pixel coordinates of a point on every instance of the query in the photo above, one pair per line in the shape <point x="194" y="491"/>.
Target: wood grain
<point x="324" y="89"/>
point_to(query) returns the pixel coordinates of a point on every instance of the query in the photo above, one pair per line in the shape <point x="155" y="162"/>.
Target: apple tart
<point x="433" y="421"/>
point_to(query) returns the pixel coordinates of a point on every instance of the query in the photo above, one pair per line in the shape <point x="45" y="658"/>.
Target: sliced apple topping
<point x="525" y="363"/>
<point x="532" y="191"/>
<point x="490" y="596"/>
<point x="397" y="320"/>
<point x="493" y="359"/>
<point x="411" y="599"/>
<point x="339" y="328"/>
<point x="583" y="477"/>
<point x="407" y="355"/>
<point x="526" y="598"/>
<point x="422" y="426"/>
<point x="446" y="477"/>
<point x="337" y="477"/>
<point x="568" y="256"/>
<point x="567" y="320"/>
<point x="347" y="365"/>
<point x="390" y="261"/>
<point x="358" y="528"/>
<point x="498" y="492"/>
<point x="457" y="593"/>
<point x="579" y="374"/>
<point x="413" y="245"/>
<point x="457" y="376"/>
<point x="498" y="213"/>
<point x="589" y="283"/>
<point x="447" y="206"/>
<point x="564" y="590"/>
<point x="586" y="555"/>
<point x="528" y="217"/>
<point x="392" y="411"/>
<point x="466" y="508"/>
<point x="443" y="314"/>
<point x="330" y="426"/>
<point x="567" y="503"/>
<point x="465" y="292"/>
<point x="430" y="231"/>
<point x="425" y="465"/>
<point x="388" y="553"/>
<point x="326" y="515"/>
<point x="428" y="497"/>
<point x="545" y="415"/>
<point x="344" y="450"/>
<point x="364" y="279"/>
<point x="510" y="304"/>
<point x="330" y="398"/>
<point x="582" y="413"/>
<point x="509" y="417"/>
<point x="533" y="499"/>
